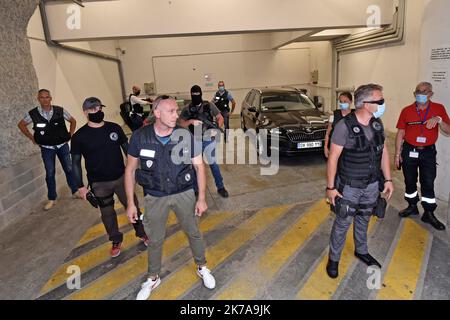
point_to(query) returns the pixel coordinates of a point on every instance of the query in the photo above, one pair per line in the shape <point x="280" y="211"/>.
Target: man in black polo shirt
<point x="101" y="144"/>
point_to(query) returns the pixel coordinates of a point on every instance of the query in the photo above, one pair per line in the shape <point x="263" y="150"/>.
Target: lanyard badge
<point x="421" y="138"/>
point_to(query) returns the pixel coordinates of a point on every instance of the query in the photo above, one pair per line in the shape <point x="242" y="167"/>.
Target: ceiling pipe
<point x="391" y="35"/>
<point x="55" y="44"/>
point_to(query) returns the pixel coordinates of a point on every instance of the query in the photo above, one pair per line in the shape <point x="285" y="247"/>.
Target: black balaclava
<point x="196" y="95"/>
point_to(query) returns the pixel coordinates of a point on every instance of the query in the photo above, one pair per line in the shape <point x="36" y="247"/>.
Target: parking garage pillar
<point x="18" y="81"/>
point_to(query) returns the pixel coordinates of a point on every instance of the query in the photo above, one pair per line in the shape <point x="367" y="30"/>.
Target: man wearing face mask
<point x="190" y="118"/>
<point x="418" y="131"/>
<point x="101" y="143"/>
<point x="345" y="101"/>
<point x="358" y="169"/>
<point x="222" y="100"/>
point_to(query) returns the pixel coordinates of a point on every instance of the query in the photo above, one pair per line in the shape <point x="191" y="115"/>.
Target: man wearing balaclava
<point x="201" y="117"/>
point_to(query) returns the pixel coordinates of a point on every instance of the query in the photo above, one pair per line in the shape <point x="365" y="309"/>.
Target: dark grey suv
<point x="289" y="115"/>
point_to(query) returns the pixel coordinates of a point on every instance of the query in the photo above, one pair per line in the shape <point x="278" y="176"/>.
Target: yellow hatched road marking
<point x="135" y="267"/>
<point x="245" y="287"/>
<point x="93" y="258"/>
<point x="405" y="266"/>
<point x="99" y="229"/>
<point x="184" y="278"/>
<point x="321" y="287"/>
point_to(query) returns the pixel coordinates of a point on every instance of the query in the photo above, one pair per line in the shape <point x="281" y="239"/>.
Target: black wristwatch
<point x="331" y="189"/>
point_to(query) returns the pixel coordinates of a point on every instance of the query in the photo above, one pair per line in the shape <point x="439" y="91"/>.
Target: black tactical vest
<point x="203" y="112"/>
<point x="361" y="165"/>
<point x="50" y="133"/>
<point x="222" y="102"/>
<point x="158" y="174"/>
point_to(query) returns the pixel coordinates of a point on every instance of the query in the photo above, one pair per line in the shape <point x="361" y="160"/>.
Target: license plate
<point x="307" y="145"/>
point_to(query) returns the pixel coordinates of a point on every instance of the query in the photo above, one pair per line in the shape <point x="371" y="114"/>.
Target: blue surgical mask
<point x="344" y="106"/>
<point x="421" y="98"/>
<point x="221" y="89"/>
<point x="379" y="113"/>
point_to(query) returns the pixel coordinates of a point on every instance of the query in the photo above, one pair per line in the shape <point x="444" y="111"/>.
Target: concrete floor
<point x="269" y="240"/>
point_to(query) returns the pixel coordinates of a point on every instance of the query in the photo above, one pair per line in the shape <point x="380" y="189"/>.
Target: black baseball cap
<point x="92" y="102"/>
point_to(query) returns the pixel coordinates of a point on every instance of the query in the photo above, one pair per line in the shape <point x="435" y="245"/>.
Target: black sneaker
<point x="223" y="192"/>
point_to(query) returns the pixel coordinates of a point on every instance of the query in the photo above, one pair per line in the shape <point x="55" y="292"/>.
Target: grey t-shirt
<point x="341" y="136"/>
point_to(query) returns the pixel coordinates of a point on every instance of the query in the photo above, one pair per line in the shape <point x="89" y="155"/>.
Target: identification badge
<point x="147" y="153"/>
<point x="421" y="140"/>
<point x="414" y="155"/>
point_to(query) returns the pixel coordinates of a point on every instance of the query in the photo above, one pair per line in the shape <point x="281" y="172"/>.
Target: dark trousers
<point x="359" y="218"/>
<point x="211" y="161"/>
<point x="226" y="123"/>
<point x="106" y="191"/>
<point x="49" y="158"/>
<point x="423" y="167"/>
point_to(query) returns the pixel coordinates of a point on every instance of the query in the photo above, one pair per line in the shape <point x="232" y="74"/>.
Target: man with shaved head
<point x="163" y="159"/>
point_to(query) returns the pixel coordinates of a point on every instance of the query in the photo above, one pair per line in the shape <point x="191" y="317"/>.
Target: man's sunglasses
<point x="378" y="102"/>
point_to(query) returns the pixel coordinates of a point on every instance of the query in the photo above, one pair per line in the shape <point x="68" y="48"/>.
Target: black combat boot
<point x="332" y="269"/>
<point x="429" y="217"/>
<point x="412" y="210"/>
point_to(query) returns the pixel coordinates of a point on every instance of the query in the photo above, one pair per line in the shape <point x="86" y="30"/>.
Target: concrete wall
<point x="140" y="56"/>
<point x="435" y="33"/>
<point x="134" y="18"/>
<point x="28" y="64"/>
<point x="396" y="68"/>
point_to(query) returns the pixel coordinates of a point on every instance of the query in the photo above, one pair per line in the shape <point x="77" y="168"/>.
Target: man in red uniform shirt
<point x="415" y="150"/>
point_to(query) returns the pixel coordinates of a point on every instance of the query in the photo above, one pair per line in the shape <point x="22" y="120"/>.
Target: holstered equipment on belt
<point x="342" y="208"/>
<point x="101" y="202"/>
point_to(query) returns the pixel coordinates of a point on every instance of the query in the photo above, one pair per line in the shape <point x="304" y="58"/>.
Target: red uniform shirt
<point x="412" y="123"/>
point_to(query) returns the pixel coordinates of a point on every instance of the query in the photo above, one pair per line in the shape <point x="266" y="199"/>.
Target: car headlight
<point x="275" y="131"/>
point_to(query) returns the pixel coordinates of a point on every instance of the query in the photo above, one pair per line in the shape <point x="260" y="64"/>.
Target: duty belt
<point x="432" y="147"/>
<point x="357" y="183"/>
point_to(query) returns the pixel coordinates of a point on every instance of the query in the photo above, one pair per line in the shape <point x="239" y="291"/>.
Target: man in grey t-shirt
<point x="358" y="157"/>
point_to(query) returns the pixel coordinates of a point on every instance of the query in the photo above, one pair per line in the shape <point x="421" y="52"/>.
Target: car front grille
<point x="303" y="136"/>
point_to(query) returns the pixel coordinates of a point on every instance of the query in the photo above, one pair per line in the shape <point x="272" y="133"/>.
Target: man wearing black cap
<point x="101" y="144"/>
<point x="205" y="114"/>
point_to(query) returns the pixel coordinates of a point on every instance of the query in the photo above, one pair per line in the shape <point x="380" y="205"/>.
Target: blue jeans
<point x="211" y="158"/>
<point x="48" y="156"/>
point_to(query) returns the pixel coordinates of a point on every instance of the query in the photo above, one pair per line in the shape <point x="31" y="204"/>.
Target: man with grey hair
<point x="418" y="131"/>
<point x="358" y="169"/>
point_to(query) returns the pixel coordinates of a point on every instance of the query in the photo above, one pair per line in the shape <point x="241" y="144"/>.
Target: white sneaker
<point x="147" y="288"/>
<point x="49" y="205"/>
<point x="208" y="279"/>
